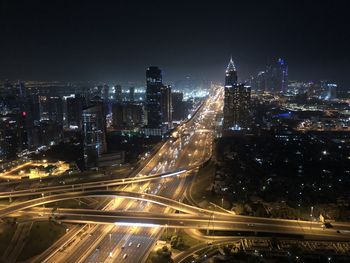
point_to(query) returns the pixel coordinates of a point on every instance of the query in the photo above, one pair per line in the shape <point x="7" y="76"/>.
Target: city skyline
<point x="116" y="42"/>
<point x="174" y="132"/>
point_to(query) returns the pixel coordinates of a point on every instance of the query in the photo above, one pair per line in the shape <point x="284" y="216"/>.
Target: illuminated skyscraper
<point x="166" y="104"/>
<point x="153" y="101"/>
<point x="94" y="131"/>
<point x="74" y="110"/>
<point x="132" y="94"/>
<point x="276" y="76"/>
<point x="55" y="109"/>
<point x="118" y="93"/>
<point x="236" y="102"/>
<point x="231" y="74"/>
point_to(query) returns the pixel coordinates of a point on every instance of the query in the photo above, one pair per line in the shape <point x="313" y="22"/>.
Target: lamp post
<point x="311" y="215"/>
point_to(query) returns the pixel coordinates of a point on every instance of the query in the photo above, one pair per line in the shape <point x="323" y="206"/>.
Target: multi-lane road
<point x="105" y="243"/>
<point x="128" y="226"/>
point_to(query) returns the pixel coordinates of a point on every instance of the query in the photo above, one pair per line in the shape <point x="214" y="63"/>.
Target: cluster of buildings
<point x="315" y="105"/>
<point x="273" y="79"/>
<point x="295" y="154"/>
<point x="36" y="115"/>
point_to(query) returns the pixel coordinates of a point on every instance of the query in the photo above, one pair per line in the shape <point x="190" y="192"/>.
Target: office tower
<point x="166" y="106"/>
<point x="276" y="76"/>
<point x="127" y="116"/>
<point x="327" y="90"/>
<point x="259" y="82"/>
<point x="98" y="91"/>
<point x="48" y="132"/>
<point x="10" y="137"/>
<point x="33" y="108"/>
<point x="118" y="93"/>
<point x="105" y="92"/>
<point x="332" y="91"/>
<point x="32" y="117"/>
<point x="236" y="102"/>
<point x="132" y="94"/>
<point x="283" y="68"/>
<point x="117" y="116"/>
<point x="177" y="102"/>
<point x="153" y="101"/>
<point x="94" y="132"/>
<point x="55" y="109"/>
<point x="74" y="112"/>
<point x="231" y="74"/>
<point x="22" y="89"/>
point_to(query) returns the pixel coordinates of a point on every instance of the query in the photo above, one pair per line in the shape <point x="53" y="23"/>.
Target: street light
<point x="311" y="211"/>
<point x="311" y="215"/>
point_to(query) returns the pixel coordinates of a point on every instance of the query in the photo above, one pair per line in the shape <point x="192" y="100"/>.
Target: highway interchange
<point x="135" y="210"/>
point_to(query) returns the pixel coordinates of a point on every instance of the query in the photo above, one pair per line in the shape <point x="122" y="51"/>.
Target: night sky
<point x="114" y="41"/>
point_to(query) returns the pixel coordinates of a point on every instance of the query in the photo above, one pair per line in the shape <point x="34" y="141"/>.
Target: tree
<point x="163" y="255"/>
<point x="176" y="242"/>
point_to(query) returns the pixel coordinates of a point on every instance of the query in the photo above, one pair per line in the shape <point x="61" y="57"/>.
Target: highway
<point x="144" y="204"/>
<point x="180" y="153"/>
<point x="129" y="225"/>
<point x="203" y="221"/>
<point x="187" y="150"/>
<point x="142" y="196"/>
<point x="93" y="185"/>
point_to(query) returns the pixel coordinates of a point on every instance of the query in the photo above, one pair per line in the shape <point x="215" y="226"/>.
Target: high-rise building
<point x="258" y="83"/>
<point x="74" y="112"/>
<point x="47" y="132"/>
<point x="167" y="108"/>
<point x="153" y="101"/>
<point x="283" y="74"/>
<point x="231" y="74"/>
<point x="132" y="94"/>
<point x="55" y="109"/>
<point x="33" y="108"/>
<point x="32" y="118"/>
<point x="328" y="91"/>
<point x="118" y="93"/>
<point x="10" y="137"/>
<point x="127" y="116"/>
<point x="105" y="92"/>
<point x="276" y="76"/>
<point x="178" y="106"/>
<point x="21" y="89"/>
<point x="236" y="102"/>
<point x="94" y="132"/>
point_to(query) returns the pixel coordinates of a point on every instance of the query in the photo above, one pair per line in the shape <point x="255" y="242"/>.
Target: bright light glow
<point x="135" y="224"/>
<point x="172" y="174"/>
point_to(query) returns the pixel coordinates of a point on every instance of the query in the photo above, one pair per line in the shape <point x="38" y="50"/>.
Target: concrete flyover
<point x="97" y="185"/>
<point x="202" y="221"/>
<point x="108" y="193"/>
<point x="194" y="218"/>
<point x="236" y="225"/>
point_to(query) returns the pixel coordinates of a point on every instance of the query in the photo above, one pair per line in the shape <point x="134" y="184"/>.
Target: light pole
<point x="311" y="211"/>
<point x="311" y="215"/>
